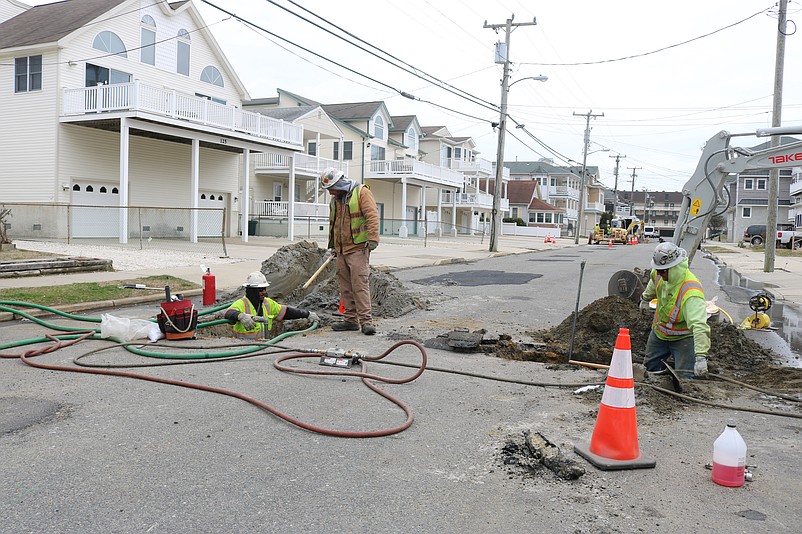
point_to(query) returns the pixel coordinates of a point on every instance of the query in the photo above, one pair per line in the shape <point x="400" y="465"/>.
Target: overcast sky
<point x="660" y="107"/>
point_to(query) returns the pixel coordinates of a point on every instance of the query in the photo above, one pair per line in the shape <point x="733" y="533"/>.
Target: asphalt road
<point x="87" y="453"/>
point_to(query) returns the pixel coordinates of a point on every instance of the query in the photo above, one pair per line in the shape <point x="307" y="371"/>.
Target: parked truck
<point x="789" y="239"/>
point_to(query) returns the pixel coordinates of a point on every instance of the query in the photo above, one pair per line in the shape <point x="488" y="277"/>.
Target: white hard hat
<point x="667" y="255"/>
<point x="330" y="176"/>
<point x="256" y="279"/>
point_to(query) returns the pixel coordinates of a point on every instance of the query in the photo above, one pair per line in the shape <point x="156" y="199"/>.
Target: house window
<point x="749" y="183"/>
<point x="547" y="217"/>
<point x="377" y="153"/>
<point x="746" y="213"/>
<point x="532" y="218"/>
<point x="110" y="42"/>
<point x="457" y="153"/>
<point x="212" y="75"/>
<point x="96" y="75"/>
<point x="514" y="213"/>
<point x="182" y="52"/>
<point x="27" y="74"/>
<point x="348" y="150"/>
<point x="277" y="190"/>
<point x="378" y="127"/>
<point x="147" y="52"/>
<point x="412" y="138"/>
<point x="213" y="99"/>
<point x="312" y="148"/>
<point x="761" y="183"/>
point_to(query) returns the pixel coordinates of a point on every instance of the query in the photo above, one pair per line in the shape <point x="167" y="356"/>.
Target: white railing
<point x="594" y="206"/>
<point x="415" y="169"/>
<point x="478" y="165"/>
<point x="303" y="163"/>
<point x="279" y="209"/>
<point x="479" y="200"/>
<point x="796" y="187"/>
<point x="564" y="191"/>
<point x="136" y="96"/>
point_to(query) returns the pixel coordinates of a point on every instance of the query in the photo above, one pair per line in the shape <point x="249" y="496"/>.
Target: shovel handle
<point x="319" y="270"/>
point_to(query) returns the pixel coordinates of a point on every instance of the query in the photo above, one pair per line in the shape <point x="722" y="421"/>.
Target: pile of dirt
<point x="598" y="325"/>
<point x="293" y="265"/>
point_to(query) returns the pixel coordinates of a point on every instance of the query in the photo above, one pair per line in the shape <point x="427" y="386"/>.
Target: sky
<point x="666" y="76"/>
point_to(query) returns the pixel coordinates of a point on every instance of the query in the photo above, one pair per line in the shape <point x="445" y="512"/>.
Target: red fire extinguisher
<point x="209" y="289"/>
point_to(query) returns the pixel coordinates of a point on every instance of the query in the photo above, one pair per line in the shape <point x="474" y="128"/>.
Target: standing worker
<point x="353" y="234"/>
<point x="251" y="313"/>
<point x="679" y="328"/>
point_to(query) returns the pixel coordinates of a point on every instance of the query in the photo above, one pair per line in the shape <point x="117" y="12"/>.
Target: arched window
<point x="378" y="126"/>
<point x="103" y="189"/>
<point x="203" y="196"/>
<point x="412" y="138"/>
<point x="114" y="191"/>
<point x="182" y="52"/>
<point x="147" y="54"/>
<point x="212" y="75"/>
<point x="90" y="189"/>
<point x="76" y="187"/>
<point x="110" y="42"/>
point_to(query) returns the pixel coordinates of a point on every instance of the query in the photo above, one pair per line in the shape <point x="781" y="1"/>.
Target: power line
<point x="602" y="61"/>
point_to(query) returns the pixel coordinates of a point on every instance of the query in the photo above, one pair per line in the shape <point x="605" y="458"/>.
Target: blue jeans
<point x="657" y="351"/>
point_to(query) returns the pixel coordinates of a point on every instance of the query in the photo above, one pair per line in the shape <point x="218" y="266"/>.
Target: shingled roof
<point x="50" y="22"/>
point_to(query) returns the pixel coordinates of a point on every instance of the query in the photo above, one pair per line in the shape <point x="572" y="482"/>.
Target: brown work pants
<point x="353" y="275"/>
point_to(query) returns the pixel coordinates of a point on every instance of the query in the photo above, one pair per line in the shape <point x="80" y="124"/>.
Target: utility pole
<point x="495" y="224"/>
<point x="632" y="194"/>
<point x="618" y="158"/>
<point x="776" y="121"/>
<point x="589" y="115"/>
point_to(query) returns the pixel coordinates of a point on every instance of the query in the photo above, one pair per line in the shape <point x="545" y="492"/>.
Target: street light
<point x="582" y="186"/>
<point x="495" y="225"/>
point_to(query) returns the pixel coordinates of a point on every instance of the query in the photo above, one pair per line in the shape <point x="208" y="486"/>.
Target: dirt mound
<point x="292" y="265"/>
<point x="597" y="328"/>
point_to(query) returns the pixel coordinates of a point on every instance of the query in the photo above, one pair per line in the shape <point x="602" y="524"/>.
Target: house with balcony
<point x="560" y="187"/>
<point x="121" y="103"/>
<point x="468" y="209"/>
<point x="384" y="155"/>
<point x="285" y="187"/>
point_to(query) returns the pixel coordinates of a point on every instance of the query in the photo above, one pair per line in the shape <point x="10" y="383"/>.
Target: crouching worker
<point x="252" y="316"/>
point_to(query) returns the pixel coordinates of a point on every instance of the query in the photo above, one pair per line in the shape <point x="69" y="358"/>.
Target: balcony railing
<point x="479" y="165"/>
<point x="415" y="169"/>
<point x="279" y="209"/>
<point x="475" y="200"/>
<point x="594" y="206"/>
<point x="304" y="163"/>
<point x="136" y="96"/>
<point x="796" y="187"/>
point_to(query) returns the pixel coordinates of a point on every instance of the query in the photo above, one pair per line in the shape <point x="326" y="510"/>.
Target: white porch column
<point x="245" y="201"/>
<point x="291" y="204"/>
<point x="124" y="144"/>
<point x="193" y="201"/>
<point x="403" y="231"/>
<point x="454" y="213"/>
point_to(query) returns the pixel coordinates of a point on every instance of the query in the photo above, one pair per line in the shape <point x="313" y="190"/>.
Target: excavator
<point x="704" y="195"/>
<point x="620" y="230"/>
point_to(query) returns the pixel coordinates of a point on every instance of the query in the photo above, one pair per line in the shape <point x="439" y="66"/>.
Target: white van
<point x="650" y="231"/>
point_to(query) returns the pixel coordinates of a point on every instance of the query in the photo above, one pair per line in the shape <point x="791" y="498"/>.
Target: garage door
<point x="95" y="220"/>
<point x="210" y="223"/>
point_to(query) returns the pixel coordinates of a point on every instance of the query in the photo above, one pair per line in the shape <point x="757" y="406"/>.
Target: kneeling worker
<point x="253" y="314"/>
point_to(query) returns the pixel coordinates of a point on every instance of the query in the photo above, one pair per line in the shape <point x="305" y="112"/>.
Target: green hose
<point x="4" y="306"/>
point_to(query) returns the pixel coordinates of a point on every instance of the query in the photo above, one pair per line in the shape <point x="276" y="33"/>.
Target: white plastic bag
<point x="128" y="329"/>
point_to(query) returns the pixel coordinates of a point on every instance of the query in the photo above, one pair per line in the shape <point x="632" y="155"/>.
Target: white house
<point x="123" y="103"/>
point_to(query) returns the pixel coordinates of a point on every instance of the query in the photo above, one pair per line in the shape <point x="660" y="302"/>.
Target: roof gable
<point x="48" y="23"/>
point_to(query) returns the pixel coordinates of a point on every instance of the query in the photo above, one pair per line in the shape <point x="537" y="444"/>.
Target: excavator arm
<point x="703" y="193"/>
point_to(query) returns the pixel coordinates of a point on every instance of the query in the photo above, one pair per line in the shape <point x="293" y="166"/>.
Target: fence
<point x="143" y="226"/>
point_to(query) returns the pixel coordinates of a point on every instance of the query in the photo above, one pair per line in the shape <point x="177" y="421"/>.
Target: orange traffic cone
<point x="610" y="243"/>
<point x="614" y="443"/>
<point x="342" y="306"/>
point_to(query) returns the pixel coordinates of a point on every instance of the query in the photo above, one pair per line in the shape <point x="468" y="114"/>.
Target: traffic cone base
<point x="614" y="443"/>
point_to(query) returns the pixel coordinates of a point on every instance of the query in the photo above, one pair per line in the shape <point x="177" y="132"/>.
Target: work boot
<point x="343" y="326"/>
<point x="368" y="329"/>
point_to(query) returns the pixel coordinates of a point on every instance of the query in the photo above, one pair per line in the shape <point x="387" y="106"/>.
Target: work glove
<point x="644" y="306"/>
<point x="246" y="320"/>
<point x="372" y="245"/>
<point x="332" y="252"/>
<point x="313" y="317"/>
<point x="700" y="367"/>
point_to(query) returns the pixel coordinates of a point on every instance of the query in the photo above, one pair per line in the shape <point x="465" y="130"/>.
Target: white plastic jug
<point x="729" y="458"/>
